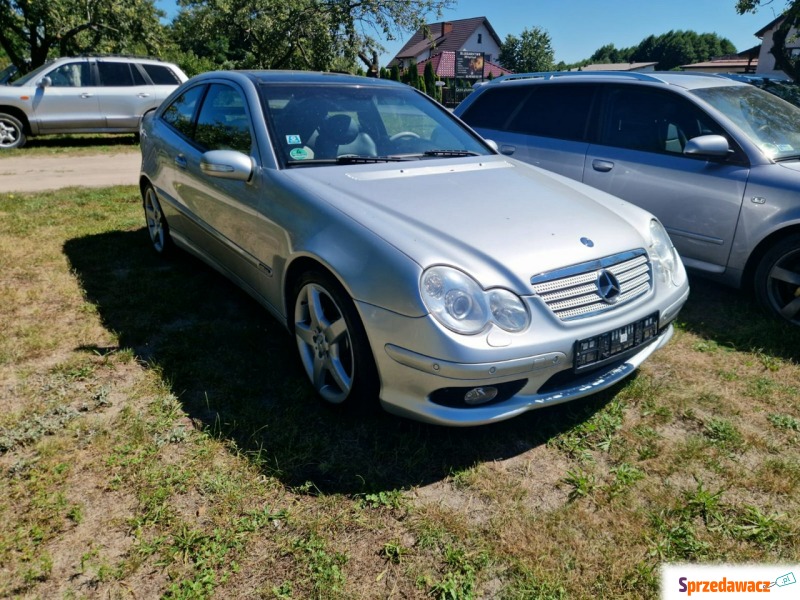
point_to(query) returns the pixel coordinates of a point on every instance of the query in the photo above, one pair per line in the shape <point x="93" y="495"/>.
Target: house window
<point x="480" y="38"/>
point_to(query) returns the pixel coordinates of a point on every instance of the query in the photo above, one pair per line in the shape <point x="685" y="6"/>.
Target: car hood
<point x="500" y="220"/>
<point x="793" y="165"/>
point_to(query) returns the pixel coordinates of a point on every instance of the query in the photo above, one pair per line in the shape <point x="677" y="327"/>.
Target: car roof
<point x="303" y="77"/>
<point x="683" y="79"/>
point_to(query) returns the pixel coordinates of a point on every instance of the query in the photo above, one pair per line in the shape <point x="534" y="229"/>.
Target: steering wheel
<point x="404" y="135"/>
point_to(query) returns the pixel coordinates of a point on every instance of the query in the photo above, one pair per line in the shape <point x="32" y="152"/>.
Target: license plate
<point x="607" y="347"/>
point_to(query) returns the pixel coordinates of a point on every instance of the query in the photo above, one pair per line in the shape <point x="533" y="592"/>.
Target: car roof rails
<point x="553" y="74"/>
<point x="653" y="76"/>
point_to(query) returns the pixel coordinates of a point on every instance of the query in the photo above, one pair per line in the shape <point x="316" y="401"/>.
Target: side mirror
<point x="708" y="145"/>
<point x="227" y="164"/>
<point x="492" y="144"/>
<point x="44" y="82"/>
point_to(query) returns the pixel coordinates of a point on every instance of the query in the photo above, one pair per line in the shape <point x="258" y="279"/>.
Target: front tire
<point x="332" y="343"/>
<point x="777" y="279"/>
<point x="12" y="133"/>
<point x="156" y="222"/>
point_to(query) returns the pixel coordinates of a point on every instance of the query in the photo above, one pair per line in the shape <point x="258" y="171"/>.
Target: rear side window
<point x="492" y="108"/>
<point x="180" y="114"/>
<point x="161" y="74"/>
<point x="119" y="74"/>
<point x="555" y="111"/>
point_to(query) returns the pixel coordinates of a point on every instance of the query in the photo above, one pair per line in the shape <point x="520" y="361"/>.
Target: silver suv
<point x="717" y="161"/>
<point x="84" y="95"/>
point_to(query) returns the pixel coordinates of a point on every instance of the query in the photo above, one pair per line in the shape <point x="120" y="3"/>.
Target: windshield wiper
<point x="345" y="159"/>
<point x="351" y="159"/>
<point x="450" y="153"/>
<point x="786" y="158"/>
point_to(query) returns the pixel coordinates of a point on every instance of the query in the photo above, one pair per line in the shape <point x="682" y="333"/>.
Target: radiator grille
<point x="595" y="287"/>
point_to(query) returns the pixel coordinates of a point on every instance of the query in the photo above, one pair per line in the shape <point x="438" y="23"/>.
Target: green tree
<point x="301" y="34"/>
<point x="610" y="54"/>
<point x="31" y="31"/>
<point x="785" y="31"/>
<point x="531" y="51"/>
<point x="676" y="48"/>
<point x="432" y="89"/>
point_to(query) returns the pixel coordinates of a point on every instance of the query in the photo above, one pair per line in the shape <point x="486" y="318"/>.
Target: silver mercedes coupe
<point x="414" y="265"/>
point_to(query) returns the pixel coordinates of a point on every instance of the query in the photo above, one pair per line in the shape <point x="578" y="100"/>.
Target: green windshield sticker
<point x="299" y="153"/>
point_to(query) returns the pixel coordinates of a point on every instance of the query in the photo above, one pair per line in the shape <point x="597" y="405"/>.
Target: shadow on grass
<point x="732" y="318"/>
<point x="71" y="141"/>
<point x="235" y="370"/>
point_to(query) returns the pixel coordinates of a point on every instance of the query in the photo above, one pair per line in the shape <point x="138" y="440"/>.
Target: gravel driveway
<point x="36" y="174"/>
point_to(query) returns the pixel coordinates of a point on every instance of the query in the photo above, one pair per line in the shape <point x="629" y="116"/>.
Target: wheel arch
<point x="143" y="183"/>
<point x="748" y="276"/>
<point x="294" y="271"/>
<point x="18" y="114"/>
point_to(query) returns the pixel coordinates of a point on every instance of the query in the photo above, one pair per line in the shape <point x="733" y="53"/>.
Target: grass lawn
<point x="158" y="438"/>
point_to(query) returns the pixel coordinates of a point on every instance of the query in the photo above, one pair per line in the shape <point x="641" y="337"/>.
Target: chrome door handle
<point x="143" y="95"/>
<point x="180" y="161"/>
<point x="604" y="166"/>
<point x="86" y="95"/>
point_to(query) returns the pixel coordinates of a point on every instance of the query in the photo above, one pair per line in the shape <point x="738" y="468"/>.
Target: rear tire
<point x="156" y="222"/>
<point x="332" y="343"/>
<point x="777" y="279"/>
<point x="12" y="132"/>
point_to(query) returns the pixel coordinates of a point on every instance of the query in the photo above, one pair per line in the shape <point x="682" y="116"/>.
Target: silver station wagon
<point x="413" y="263"/>
<point x="716" y="160"/>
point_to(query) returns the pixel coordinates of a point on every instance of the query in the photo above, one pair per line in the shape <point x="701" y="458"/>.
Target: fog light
<point x="480" y="395"/>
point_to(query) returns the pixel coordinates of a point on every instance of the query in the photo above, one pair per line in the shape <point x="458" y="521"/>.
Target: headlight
<point x="459" y="303"/>
<point x="662" y="251"/>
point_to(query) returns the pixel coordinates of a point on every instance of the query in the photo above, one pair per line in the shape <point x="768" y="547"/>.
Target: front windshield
<point x="315" y="124"/>
<point x="31" y="76"/>
<point x="7" y="73"/>
<point x="771" y="123"/>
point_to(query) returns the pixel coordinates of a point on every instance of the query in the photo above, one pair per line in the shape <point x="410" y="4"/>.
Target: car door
<point x="544" y="124"/>
<point x="69" y="102"/>
<point x="552" y="122"/>
<point x="639" y="157"/>
<point x="179" y="119"/>
<point x="123" y="94"/>
<point x="234" y="214"/>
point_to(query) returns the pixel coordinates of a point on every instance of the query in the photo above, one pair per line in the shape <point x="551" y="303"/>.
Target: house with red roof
<point x="472" y="35"/>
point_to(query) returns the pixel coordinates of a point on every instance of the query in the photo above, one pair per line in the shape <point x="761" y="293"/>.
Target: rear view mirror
<point x="707" y="145"/>
<point x="227" y="164"/>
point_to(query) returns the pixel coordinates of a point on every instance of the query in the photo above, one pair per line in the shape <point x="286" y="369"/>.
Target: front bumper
<point x="529" y="373"/>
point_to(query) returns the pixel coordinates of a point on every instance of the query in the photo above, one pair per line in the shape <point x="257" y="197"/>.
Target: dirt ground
<point x="35" y="174"/>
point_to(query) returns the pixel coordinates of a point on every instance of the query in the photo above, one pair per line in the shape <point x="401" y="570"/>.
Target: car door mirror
<point x="227" y="164"/>
<point x="707" y="145"/>
<point x="493" y="145"/>
<point x="44" y="82"/>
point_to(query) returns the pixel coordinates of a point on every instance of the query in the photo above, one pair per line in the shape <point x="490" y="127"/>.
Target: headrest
<point x="340" y="129"/>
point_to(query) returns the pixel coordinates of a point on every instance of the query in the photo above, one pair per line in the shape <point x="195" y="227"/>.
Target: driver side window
<point x="75" y="74"/>
<point x="653" y="121"/>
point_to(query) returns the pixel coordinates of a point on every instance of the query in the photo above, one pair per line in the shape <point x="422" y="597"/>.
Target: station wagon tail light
<point x="662" y="251"/>
<point x="459" y="303"/>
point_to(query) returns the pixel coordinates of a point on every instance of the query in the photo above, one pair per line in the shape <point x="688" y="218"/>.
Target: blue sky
<point x="579" y="27"/>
